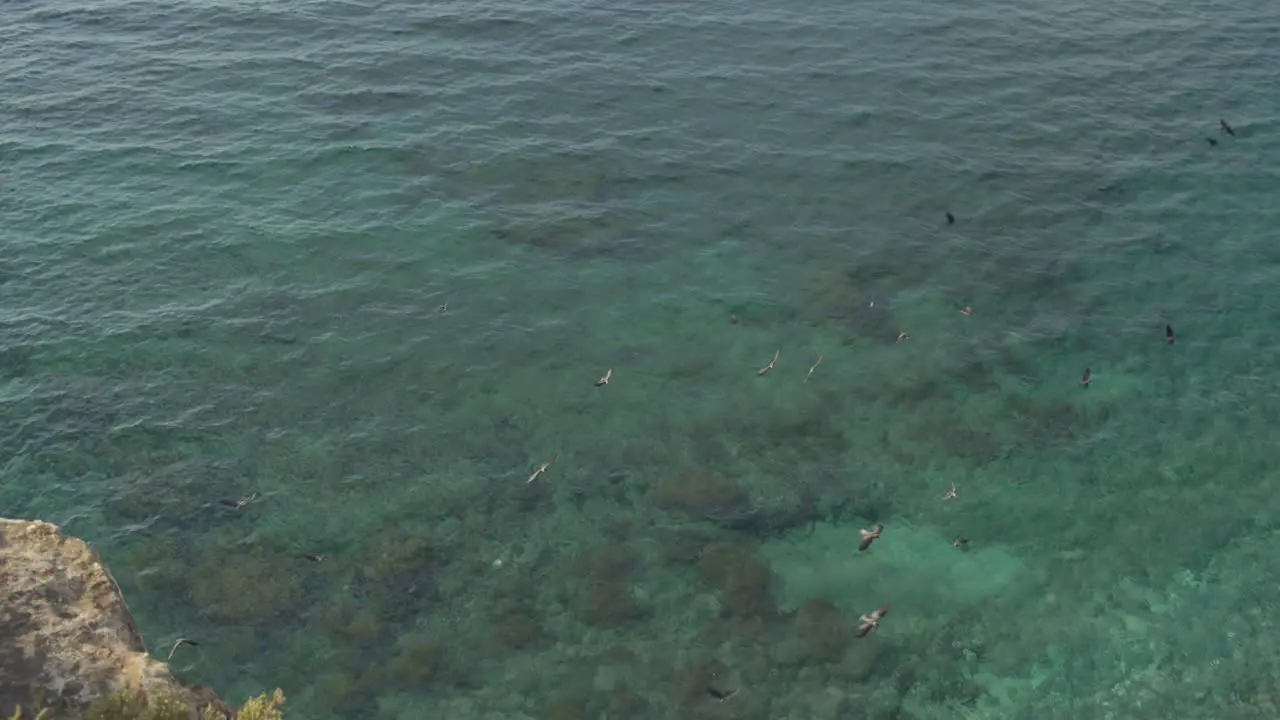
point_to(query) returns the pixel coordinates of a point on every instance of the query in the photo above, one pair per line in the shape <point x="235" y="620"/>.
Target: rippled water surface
<point x="364" y="264"/>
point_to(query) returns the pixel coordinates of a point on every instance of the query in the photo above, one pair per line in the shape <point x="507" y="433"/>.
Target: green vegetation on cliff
<point x="130" y="705"/>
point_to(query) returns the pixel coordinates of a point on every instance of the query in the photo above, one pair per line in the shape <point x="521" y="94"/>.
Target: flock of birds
<point x="867" y="622"/>
<point x="871" y="621"/>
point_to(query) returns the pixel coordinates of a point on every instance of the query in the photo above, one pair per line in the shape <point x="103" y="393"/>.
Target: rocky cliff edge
<point x="65" y="632"/>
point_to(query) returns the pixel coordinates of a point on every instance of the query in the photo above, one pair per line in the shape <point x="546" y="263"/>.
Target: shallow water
<point x="368" y="262"/>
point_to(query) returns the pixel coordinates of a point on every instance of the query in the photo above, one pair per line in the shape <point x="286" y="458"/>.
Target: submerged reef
<point x="745" y="582"/>
<point x="702" y="493"/>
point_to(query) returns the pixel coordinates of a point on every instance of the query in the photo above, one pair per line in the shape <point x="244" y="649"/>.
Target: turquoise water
<point x="367" y="262"/>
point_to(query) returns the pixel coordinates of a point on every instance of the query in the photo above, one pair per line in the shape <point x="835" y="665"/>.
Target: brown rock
<point x="821" y="629"/>
<point x="604" y="563"/>
<point x="608" y="604"/>
<point x="65" y="631"/>
<point x="702" y="493"/>
<point x="745" y="581"/>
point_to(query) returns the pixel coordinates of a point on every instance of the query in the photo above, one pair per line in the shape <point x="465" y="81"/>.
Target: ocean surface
<point x="362" y="265"/>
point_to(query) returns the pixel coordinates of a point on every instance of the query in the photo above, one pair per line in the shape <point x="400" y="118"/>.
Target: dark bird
<point x="869" y="536"/>
<point x="951" y="219"/>
<point x="179" y="643"/>
<point x="720" y="694"/>
<point x="1211" y="141"/>
<point x="237" y="504"/>
<point x="1088" y="377"/>
<point x="314" y="558"/>
<point x="1227" y="128"/>
<point x="961" y="543"/>
<point x="1168" y="334"/>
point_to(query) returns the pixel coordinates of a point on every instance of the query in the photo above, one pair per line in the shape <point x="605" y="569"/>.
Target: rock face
<point x="65" y="631"/>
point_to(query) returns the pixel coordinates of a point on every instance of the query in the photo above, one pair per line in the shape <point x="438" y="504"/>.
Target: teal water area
<point x="364" y="263"/>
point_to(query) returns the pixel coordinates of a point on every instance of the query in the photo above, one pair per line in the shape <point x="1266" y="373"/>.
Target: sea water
<point x="363" y="265"/>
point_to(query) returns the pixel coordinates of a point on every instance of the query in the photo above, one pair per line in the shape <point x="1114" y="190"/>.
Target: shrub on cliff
<point x="259" y="708"/>
<point x="130" y="705"/>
